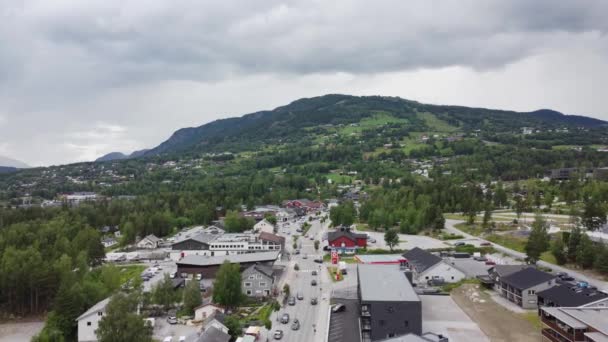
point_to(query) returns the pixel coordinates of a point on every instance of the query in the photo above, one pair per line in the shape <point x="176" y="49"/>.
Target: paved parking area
<point x="407" y="241"/>
<point x="163" y="329"/>
<point x="344" y="326"/>
<point x="469" y="266"/>
<point x="441" y="315"/>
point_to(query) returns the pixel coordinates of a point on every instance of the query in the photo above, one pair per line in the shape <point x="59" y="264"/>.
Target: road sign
<point x="334" y="257"/>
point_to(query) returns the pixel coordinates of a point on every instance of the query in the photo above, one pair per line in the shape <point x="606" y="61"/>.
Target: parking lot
<point x="163" y="329"/>
<point x="441" y="315"/>
<point x="407" y="241"/>
<point x="344" y="326"/>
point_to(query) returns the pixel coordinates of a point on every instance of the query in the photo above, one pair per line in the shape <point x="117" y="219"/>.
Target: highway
<point x="300" y="282"/>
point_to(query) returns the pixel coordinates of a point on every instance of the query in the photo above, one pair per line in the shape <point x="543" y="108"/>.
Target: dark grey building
<point x="389" y="305"/>
<point x="199" y="242"/>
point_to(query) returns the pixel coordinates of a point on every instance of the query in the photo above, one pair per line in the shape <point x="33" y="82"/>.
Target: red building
<point x="344" y="240"/>
<point x="305" y="204"/>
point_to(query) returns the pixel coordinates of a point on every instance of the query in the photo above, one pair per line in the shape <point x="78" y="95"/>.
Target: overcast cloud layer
<point x="79" y="79"/>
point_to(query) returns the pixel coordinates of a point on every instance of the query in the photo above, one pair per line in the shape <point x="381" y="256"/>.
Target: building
<point x="258" y="281"/>
<point x="216" y="320"/>
<point x="149" y="242"/>
<point x="205" y="244"/>
<point x="204" y="311"/>
<point x="381" y="259"/>
<point x="76" y="198"/>
<point x="306" y="204"/>
<point x="108" y="242"/>
<point x="568" y="295"/>
<point x="88" y="322"/>
<point x="207" y="266"/>
<point x="197" y="244"/>
<point x="426" y="337"/>
<point x="264" y="226"/>
<point x="521" y="287"/>
<point x="213" y="334"/>
<point x="345" y="241"/>
<point x="585" y="323"/>
<point x="389" y="306"/>
<point x="272" y="241"/>
<point x="426" y="266"/>
<point x="497" y="272"/>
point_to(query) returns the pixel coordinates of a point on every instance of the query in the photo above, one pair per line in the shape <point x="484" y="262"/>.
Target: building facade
<point x="258" y="281"/>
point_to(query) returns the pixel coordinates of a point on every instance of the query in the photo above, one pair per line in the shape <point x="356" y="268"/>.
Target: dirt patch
<point x="13" y="332"/>
<point x="498" y="323"/>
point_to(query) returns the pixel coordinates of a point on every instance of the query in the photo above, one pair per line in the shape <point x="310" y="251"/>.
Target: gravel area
<point x="18" y="332"/>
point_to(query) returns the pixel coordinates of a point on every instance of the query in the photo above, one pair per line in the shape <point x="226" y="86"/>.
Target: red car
<point x="485" y="244"/>
<point x="490" y="262"/>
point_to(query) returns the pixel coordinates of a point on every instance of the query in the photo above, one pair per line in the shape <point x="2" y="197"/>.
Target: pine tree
<point x="121" y="323"/>
<point x="585" y="256"/>
<point x="573" y="242"/>
<point x="192" y="296"/>
<point x="227" y="285"/>
<point x="601" y="261"/>
<point x="558" y="249"/>
<point x="538" y="241"/>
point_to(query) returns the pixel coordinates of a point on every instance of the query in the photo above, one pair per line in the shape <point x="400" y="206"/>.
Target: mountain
<point x="7" y="169"/>
<point x="9" y="162"/>
<point x="119" y="155"/>
<point x="296" y="119"/>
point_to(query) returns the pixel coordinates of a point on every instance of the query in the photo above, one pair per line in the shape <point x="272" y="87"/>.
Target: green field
<point x="339" y="179"/>
<point x="130" y="272"/>
<point x="378" y="119"/>
<point x="436" y="124"/>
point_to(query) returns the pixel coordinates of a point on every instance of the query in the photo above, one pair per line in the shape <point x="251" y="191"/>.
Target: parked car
<point x="481" y="258"/>
<point x="285" y="318"/>
<point x="371" y="240"/>
<point x="490" y="262"/>
<point x="295" y="325"/>
<point x="300" y="296"/>
<point x="305" y="256"/>
<point x="318" y="260"/>
<point x="314" y="272"/>
<point x="565" y="276"/>
<point x="278" y="334"/>
<point x="436" y="281"/>
<point x="459" y="243"/>
<point x="313" y="301"/>
<point x="291" y="300"/>
<point x="326" y="248"/>
<point x="338" y="308"/>
<point x="313" y="282"/>
<point x="485" y="244"/>
<point x="297" y="252"/>
<point x="172" y="320"/>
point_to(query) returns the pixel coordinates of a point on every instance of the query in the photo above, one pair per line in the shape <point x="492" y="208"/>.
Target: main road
<point x="313" y="318"/>
<point x="601" y="285"/>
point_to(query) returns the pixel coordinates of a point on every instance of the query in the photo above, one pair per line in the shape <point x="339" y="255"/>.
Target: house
<point x="522" y="286"/>
<point x="306" y="204"/>
<point x="497" y="272"/>
<point x="567" y="295"/>
<point x="108" y="242"/>
<point x="258" y="281"/>
<point x="426" y="266"/>
<point x="264" y="226"/>
<point x="389" y="306"/>
<point x="207" y="266"/>
<point x="88" y="322"/>
<point x="149" y="242"/>
<point x="215" y="320"/>
<point x="568" y="324"/>
<point x="283" y="215"/>
<point x="272" y="241"/>
<point x="213" y="334"/>
<point x="204" y="311"/>
<point x="345" y="241"/>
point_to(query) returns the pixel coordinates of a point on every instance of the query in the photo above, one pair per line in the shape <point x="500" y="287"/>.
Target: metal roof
<point x="597" y="318"/>
<point x="421" y="259"/>
<point x="379" y="258"/>
<point x="562" y="295"/>
<point x="100" y="306"/>
<point x="385" y="283"/>
<point x="563" y="317"/>
<point x="527" y="278"/>
<point x="201" y="260"/>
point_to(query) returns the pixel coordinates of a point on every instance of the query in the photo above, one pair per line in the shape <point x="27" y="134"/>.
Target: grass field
<point x="339" y="179"/>
<point x="130" y="272"/>
<point x="436" y="124"/>
<point x="378" y="119"/>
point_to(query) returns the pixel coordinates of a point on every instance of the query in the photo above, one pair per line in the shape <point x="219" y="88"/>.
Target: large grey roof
<point x="505" y="270"/>
<point x="100" y="306"/>
<point x="200" y="237"/>
<point x="264" y="269"/>
<point x="563" y="295"/>
<point x="526" y="278"/>
<point x="201" y="260"/>
<point x="385" y="283"/>
<point x="421" y="259"/>
<point x="213" y="334"/>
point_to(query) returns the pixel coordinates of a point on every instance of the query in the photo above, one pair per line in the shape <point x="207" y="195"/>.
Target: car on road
<point x="490" y="262"/>
<point x="338" y="308"/>
<point x="480" y="258"/>
<point x="485" y="244"/>
<point x="172" y="320"/>
<point x="326" y="248"/>
<point x="296" y="252"/>
<point x="305" y="256"/>
<point x="291" y="300"/>
<point x="371" y="240"/>
<point x="313" y="301"/>
<point x="318" y="260"/>
<point x="314" y="272"/>
<point x="459" y="243"/>
<point x="311" y="237"/>
<point x="278" y="334"/>
<point x="295" y="325"/>
<point x="285" y="318"/>
<point x="300" y="296"/>
<point x="564" y="276"/>
<point x="313" y="282"/>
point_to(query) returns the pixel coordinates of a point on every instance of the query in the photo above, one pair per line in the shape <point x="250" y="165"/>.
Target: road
<point x="300" y="282"/>
<point x="601" y="285"/>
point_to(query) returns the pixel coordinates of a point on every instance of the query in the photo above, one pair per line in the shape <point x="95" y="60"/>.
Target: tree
<point x="121" y="323"/>
<point x="343" y="214"/>
<point x="558" y="249"/>
<point x="286" y="290"/>
<point x="594" y="214"/>
<point x="227" y="285"/>
<point x="235" y="329"/>
<point x="163" y="293"/>
<point x="391" y="238"/>
<point x="520" y="205"/>
<point x="271" y="218"/>
<point x="573" y="242"/>
<point x="585" y="255"/>
<point x="538" y="241"/>
<point x="317" y="243"/>
<point x="601" y="261"/>
<point x="192" y="296"/>
<point x="487" y="215"/>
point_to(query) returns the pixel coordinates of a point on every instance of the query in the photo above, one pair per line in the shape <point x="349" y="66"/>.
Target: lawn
<point x="509" y="241"/>
<point x="130" y="272"/>
<point x="436" y="124"/>
<point x="380" y="118"/>
<point x="332" y="274"/>
<point x="339" y="179"/>
<point x="533" y="318"/>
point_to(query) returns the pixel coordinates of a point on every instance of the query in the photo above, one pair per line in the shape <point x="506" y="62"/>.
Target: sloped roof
<point x="152" y="238"/>
<point x="264" y="269"/>
<point x="272" y="237"/>
<point x="213" y="334"/>
<point x="336" y="234"/>
<point x="563" y="295"/>
<point x="505" y="270"/>
<point x="201" y="260"/>
<point x="100" y="306"/>
<point x="421" y="259"/>
<point x="526" y="278"/>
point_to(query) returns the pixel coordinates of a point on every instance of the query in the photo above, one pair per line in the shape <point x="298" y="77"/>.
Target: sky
<point x="79" y="79"/>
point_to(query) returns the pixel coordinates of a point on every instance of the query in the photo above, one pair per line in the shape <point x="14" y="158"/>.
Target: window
<point x="263" y="283"/>
<point x="99" y="313"/>
<point x="252" y="276"/>
<point x="406" y="324"/>
<point x="382" y="322"/>
<point x="426" y="277"/>
<point x="88" y="324"/>
<point x="248" y="284"/>
<point x="452" y="277"/>
<point x="390" y="309"/>
<point x="248" y="292"/>
<point x="531" y="292"/>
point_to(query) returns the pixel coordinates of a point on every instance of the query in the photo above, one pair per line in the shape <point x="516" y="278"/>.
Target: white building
<point x="88" y="322"/>
<point x="264" y="226"/>
<point x="426" y="266"/>
<point x="108" y="242"/>
<point x="149" y="242"/>
<point x="204" y="311"/>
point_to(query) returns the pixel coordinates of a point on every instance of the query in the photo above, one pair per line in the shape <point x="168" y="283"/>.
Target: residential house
<point x="215" y="320"/>
<point x="497" y="272"/>
<point x="204" y="311"/>
<point x="264" y="226"/>
<point x="587" y="323"/>
<point x="568" y="295"/>
<point x="197" y="244"/>
<point x="426" y="266"/>
<point x="306" y="204"/>
<point x="521" y="287"/>
<point x="149" y="242"/>
<point x="108" y="242"/>
<point x="88" y="322"/>
<point x="346" y="241"/>
<point x="285" y="214"/>
<point x="213" y="334"/>
<point x="207" y="266"/>
<point x="389" y="306"/>
<point x="272" y="241"/>
<point x="258" y="281"/>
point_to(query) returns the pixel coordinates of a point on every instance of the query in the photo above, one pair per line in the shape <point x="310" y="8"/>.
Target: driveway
<point x="441" y="315"/>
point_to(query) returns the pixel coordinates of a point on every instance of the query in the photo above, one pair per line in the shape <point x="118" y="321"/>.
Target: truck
<point x="342" y="267"/>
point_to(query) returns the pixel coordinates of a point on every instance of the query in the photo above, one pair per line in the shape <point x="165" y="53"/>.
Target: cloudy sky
<point x="79" y="79"/>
